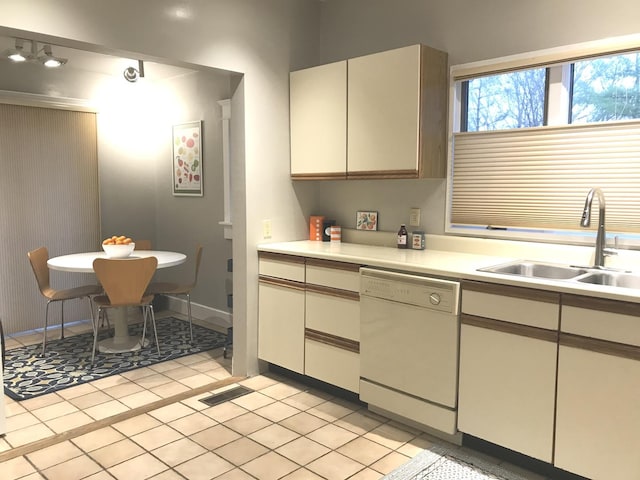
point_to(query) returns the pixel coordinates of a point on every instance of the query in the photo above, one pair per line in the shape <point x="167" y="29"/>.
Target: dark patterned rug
<point x="27" y="374"/>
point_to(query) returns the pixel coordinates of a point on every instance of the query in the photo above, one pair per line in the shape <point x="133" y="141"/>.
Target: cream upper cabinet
<point x="397" y="114"/>
<point x="318" y="107"/>
<point x="377" y="116"/>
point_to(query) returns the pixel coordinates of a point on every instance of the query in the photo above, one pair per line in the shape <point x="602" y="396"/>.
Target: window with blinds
<point x="519" y="181"/>
<point x="48" y="197"/>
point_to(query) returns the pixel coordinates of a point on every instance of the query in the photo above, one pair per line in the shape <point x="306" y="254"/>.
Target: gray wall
<point x="261" y="39"/>
<point x="469" y="31"/>
<point x="182" y="222"/>
<point x="134" y="144"/>
<point x="264" y="40"/>
<point x="136" y="196"/>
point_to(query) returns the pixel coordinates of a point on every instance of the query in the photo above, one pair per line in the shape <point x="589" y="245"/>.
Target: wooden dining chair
<point x="124" y="281"/>
<point x="38" y="259"/>
<point x="170" y="288"/>
<point x="142" y="245"/>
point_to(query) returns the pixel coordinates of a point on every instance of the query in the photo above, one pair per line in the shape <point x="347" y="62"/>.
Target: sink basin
<point x="536" y="270"/>
<point x="612" y="279"/>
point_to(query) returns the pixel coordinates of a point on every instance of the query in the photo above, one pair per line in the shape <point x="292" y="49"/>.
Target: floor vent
<point x="226" y="395"/>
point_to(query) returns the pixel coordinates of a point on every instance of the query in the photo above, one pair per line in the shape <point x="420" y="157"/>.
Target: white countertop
<point x="453" y="264"/>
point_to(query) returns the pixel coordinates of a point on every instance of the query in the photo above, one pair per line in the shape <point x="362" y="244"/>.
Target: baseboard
<point x="205" y="314"/>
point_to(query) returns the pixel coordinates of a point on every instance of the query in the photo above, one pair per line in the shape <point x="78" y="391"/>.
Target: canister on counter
<point x="326" y="229"/>
<point x="315" y="227"/>
<point x="336" y="233"/>
<point x="417" y="240"/>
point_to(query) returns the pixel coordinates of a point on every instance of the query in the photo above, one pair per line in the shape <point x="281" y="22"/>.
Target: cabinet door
<point x="384" y="112"/>
<point x="598" y="416"/>
<point x="507" y="389"/>
<point x="318" y="107"/>
<point x="281" y="325"/>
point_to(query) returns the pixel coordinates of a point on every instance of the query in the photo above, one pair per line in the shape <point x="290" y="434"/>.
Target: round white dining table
<point x="83" y="263"/>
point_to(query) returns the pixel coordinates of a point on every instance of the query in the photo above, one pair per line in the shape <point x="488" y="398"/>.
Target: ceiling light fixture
<point x="132" y="74"/>
<point x="44" y="56"/>
<point x="17" y="54"/>
<point x="49" y="60"/>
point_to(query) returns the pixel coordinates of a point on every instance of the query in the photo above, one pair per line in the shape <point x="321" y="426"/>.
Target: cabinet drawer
<point x="276" y="265"/>
<point x="335" y="315"/>
<point x="534" y="308"/>
<point x="603" y="319"/>
<point x="340" y="275"/>
<point x="332" y="365"/>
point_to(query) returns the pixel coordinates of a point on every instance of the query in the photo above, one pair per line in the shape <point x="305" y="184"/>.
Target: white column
<point x="226" y="167"/>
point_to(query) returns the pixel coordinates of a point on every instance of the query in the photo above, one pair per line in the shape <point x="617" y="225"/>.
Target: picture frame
<point x="366" y="220"/>
<point x="186" y="143"/>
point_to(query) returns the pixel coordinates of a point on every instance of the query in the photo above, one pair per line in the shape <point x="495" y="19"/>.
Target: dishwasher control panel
<point x="426" y="292"/>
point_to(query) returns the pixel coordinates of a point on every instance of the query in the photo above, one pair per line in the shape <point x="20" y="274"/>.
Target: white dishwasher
<point x="409" y="338"/>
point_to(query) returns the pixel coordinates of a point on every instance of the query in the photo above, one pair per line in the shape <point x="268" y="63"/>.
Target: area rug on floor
<point x="66" y="363"/>
<point x="442" y="463"/>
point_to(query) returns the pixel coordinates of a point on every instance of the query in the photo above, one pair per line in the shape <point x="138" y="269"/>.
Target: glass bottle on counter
<point x="403" y="237"/>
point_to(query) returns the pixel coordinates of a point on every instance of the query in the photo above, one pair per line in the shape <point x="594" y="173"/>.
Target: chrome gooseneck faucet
<point x="601" y="236"/>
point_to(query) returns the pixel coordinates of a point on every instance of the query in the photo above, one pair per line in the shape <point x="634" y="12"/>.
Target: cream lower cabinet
<point x="332" y="323"/>
<point x="508" y="355"/>
<point x="281" y="304"/>
<point x="309" y="317"/>
<point x="598" y="410"/>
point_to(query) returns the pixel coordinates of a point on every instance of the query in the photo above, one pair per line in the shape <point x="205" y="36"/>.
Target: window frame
<point x="559" y="65"/>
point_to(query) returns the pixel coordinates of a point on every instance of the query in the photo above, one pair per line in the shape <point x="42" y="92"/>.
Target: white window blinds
<point x="538" y="178"/>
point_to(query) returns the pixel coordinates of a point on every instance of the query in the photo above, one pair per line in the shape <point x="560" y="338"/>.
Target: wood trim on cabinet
<point x="281" y="282"/>
<point x="600" y="346"/>
<point x="334" y="292"/>
<point x="432" y="145"/>
<point x="333" y="340"/>
<point x="319" y="176"/>
<point x="512" y="328"/>
<point x="333" y="264"/>
<point x="382" y="174"/>
<point x="601" y="304"/>
<point x="281" y="257"/>
<point x="512" y="291"/>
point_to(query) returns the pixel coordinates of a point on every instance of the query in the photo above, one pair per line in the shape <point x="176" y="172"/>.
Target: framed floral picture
<point x="187" y="158"/>
<point x="366" y="220"/>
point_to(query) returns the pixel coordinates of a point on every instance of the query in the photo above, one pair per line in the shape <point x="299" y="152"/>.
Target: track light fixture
<point x="132" y="74"/>
<point x="48" y="60"/>
<point x="44" y="56"/>
<point x="17" y="54"/>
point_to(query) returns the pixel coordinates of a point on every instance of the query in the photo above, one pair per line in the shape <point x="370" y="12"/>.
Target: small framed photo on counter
<point x="366" y="220"/>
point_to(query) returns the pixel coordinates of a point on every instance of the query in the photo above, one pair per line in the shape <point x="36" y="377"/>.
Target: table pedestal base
<point x="121" y="341"/>
<point x="110" y="345"/>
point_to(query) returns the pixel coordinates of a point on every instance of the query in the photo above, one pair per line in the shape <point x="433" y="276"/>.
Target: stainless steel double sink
<point x="551" y="271"/>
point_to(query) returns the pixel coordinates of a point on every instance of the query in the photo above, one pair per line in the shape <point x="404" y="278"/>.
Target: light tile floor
<point x="113" y="429"/>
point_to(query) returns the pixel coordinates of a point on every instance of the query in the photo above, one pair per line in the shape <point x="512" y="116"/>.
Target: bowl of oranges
<point x="118" y="246"/>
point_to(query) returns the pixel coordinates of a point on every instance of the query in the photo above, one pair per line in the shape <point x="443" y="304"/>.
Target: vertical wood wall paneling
<point x="48" y="197"/>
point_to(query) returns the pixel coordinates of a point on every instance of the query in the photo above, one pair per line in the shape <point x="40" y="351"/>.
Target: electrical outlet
<point x="266" y="229"/>
<point x="414" y="217"/>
